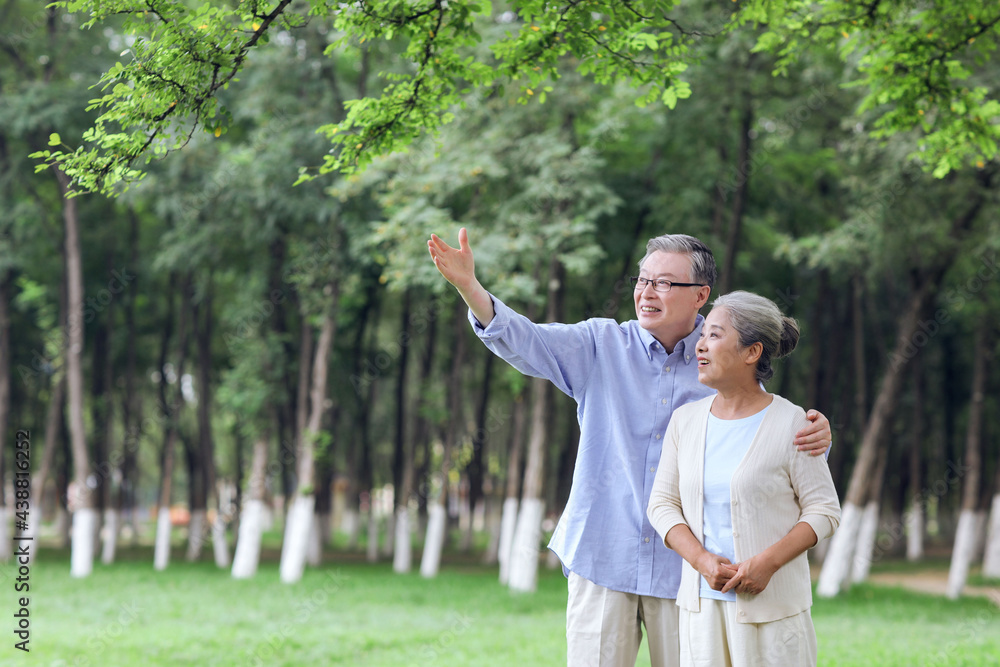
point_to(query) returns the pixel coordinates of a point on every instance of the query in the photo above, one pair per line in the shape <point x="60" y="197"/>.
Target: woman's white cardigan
<point x="773" y="488"/>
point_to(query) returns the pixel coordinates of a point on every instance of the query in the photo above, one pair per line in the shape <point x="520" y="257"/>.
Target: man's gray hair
<point x="702" y="262"/>
<point x="757" y="319"/>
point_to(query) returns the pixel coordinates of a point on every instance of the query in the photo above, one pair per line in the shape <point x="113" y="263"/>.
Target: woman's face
<point x="721" y="359"/>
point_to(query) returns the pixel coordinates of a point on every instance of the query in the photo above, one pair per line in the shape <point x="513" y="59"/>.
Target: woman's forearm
<point x="800" y="538"/>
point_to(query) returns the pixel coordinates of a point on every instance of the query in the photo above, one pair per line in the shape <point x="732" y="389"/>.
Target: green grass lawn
<point x="351" y="613"/>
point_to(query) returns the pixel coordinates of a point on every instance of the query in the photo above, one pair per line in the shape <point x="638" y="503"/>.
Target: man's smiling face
<point x="669" y="316"/>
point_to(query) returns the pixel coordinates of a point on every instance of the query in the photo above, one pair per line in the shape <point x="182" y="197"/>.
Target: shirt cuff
<point x="497" y="326"/>
<point x="821" y="525"/>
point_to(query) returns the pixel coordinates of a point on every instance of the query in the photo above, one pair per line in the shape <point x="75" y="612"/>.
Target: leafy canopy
<point x="923" y="66"/>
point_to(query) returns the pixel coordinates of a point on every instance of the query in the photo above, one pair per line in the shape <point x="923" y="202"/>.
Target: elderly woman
<point x="737" y="504"/>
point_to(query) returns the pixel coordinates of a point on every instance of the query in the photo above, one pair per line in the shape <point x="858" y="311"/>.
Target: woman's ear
<point x="752" y="354"/>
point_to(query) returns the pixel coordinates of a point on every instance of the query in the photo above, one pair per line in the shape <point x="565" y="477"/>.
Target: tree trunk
<point x="991" y="557"/>
<point x="402" y="457"/>
<point x="131" y="418"/>
<point x="523" y="573"/>
<point x="82" y="505"/>
<point x="860" y="367"/>
<point x="844" y="542"/>
<point x="251" y="527"/>
<point x="868" y="530"/>
<point x="423" y="427"/>
<point x="925" y="284"/>
<point x="437" y="528"/>
<point x="300" y="515"/>
<point x="741" y="189"/>
<point x="100" y="411"/>
<point x="508" y="515"/>
<point x="915" y="515"/>
<point x="171" y="412"/>
<point x="54" y="427"/>
<point x="5" y="541"/>
<point x="965" y="538"/>
<point x="820" y="310"/>
<point x="101" y="415"/>
<point x="476" y="467"/>
<point x="201" y="482"/>
<point x="493" y="517"/>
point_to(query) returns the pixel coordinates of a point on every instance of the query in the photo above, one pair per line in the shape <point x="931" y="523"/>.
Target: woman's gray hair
<point x="757" y="319"/>
<point x="702" y="261"/>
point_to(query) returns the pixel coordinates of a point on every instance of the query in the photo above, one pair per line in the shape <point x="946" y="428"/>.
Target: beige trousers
<point x="604" y="627"/>
<point x="713" y="638"/>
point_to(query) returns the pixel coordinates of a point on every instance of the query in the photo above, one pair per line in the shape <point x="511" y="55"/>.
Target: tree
<point x="924" y="279"/>
<point x="919" y="61"/>
<point x="965" y="538"/>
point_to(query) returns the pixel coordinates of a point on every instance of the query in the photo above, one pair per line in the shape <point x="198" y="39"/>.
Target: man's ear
<point x="703" y="293"/>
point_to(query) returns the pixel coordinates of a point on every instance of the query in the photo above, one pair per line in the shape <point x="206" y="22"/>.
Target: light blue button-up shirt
<point x="626" y="387"/>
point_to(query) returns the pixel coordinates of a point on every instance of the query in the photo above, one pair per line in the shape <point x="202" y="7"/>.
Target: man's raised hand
<point x="458" y="268"/>
<point x="455" y="264"/>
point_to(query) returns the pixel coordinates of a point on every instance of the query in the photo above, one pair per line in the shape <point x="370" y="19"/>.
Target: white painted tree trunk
<point x="314" y="553"/>
<point x="161" y="549"/>
<point x="197" y="530"/>
<point x="293" y="548"/>
<point x="508" y="521"/>
<point x="220" y="548"/>
<point x="493" y="526"/>
<point x="371" y="551"/>
<point x="111" y="523"/>
<point x="97" y="535"/>
<point x="82" y="554"/>
<point x="350" y="524"/>
<point x="915" y="532"/>
<point x="991" y="559"/>
<point x="523" y="574"/>
<point x="961" y="555"/>
<point x="865" y="549"/>
<point x="248" y="541"/>
<point x="837" y="565"/>
<point x="979" y="537"/>
<point x="437" y="523"/>
<point x="403" y="553"/>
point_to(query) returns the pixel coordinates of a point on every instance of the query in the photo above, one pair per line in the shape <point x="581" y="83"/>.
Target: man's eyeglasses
<point x="659" y="284"/>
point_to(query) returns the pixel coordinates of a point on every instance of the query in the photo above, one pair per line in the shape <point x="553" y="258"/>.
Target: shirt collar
<point x="685" y="346"/>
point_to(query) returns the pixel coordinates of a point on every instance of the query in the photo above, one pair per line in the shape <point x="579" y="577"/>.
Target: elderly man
<point x="627" y="379"/>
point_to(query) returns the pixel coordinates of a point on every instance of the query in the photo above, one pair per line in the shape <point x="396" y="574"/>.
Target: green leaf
<point x="670" y="97"/>
<point x="54" y="139"/>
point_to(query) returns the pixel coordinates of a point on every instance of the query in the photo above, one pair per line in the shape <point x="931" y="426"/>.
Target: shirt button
<point x="687" y="357"/>
<point x="652" y="469"/>
<point x="646" y="540"/>
<point x="657" y="436"/>
<point x="734" y="501"/>
<point x="735" y="534"/>
<point x="666" y="369"/>
<point x="743" y="613"/>
<point x="663" y="400"/>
